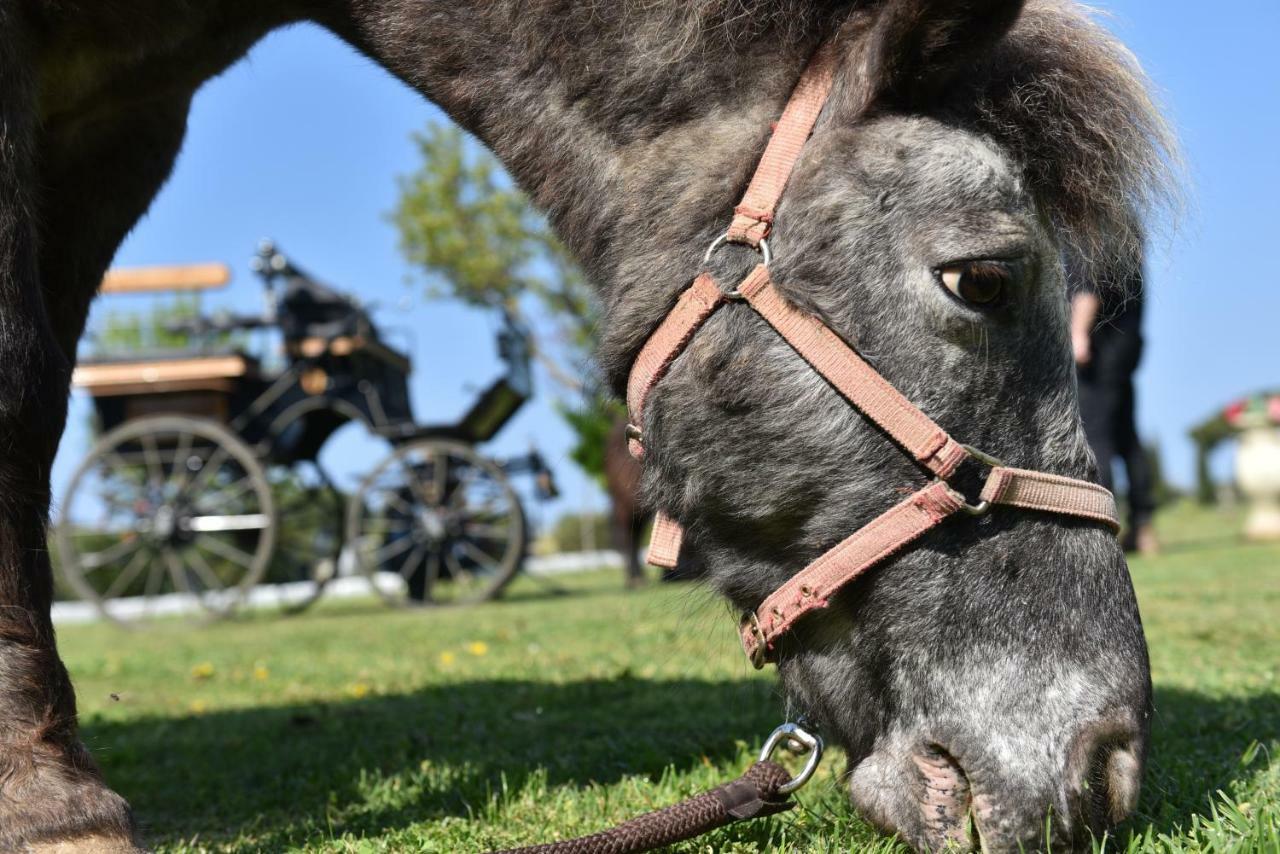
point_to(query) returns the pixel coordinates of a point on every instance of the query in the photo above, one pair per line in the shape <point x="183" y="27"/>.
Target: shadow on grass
<point x="291" y="773"/>
<point x="1197" y="745"/>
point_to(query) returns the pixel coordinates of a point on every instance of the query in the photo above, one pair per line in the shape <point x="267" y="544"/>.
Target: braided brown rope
<point x="752" y="795"/>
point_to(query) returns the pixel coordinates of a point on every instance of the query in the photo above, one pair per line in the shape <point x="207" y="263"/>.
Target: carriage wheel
<point x="309" y="538"/>
<point x="164" y="508"/>
<point x="436" y="523"/>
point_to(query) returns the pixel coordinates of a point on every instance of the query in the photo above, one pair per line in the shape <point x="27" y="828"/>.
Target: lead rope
<point x="763" y="790"/>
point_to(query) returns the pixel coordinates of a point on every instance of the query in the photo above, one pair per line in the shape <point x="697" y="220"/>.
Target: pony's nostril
<point x="945" y="798"/>
<point x="1106" y="772"/>
<point x="1115" y="775"/>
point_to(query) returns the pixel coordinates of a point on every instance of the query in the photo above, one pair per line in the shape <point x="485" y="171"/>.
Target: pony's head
<point x="991" y="682"/>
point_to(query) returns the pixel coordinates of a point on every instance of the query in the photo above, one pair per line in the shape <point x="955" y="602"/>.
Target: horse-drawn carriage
<point x="206" y="478"/>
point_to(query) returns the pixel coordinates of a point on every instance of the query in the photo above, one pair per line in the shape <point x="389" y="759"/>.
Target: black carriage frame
<point x="339" y="369"/>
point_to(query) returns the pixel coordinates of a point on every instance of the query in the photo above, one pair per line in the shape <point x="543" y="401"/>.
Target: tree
<point x="124" y="332"/>
<point x="472" y="235"/>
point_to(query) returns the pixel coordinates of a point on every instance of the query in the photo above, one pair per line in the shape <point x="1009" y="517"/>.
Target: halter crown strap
<point x="753" y="217"/>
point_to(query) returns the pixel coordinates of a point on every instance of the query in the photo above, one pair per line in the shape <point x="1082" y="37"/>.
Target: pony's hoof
<point x="55" y="801"/>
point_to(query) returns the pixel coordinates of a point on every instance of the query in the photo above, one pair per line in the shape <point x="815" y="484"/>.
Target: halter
<point x="917" y="435"/>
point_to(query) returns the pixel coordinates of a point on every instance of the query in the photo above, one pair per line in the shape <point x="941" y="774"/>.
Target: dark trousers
<point x="1107" y="405"/>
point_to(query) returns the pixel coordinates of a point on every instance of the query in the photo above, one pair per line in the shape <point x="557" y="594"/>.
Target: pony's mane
<point x="1060" y="93"/>
<point x="1074" y="107"/>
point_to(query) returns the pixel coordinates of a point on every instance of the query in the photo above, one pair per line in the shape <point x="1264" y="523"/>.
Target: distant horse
<point x="990" y="683"/>
<point x="626" y="518"/>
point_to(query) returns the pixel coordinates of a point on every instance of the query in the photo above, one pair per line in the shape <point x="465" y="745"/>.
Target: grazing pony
<point x="990" y="683"/>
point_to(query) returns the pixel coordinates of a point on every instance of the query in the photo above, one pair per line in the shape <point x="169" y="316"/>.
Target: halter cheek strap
<point x="909" y="427"/>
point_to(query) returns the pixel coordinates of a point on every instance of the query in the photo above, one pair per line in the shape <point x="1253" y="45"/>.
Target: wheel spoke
<point x="226" y="550"/>
<point x="224" y="496"/>
<point x="440" y="477"/>
<point x="482" y="531"/>
<point x="414" y="558"/>
<point x="416" y="487"/>
<point x="119" y="551"/>
<point x="155" y="576"/>
<point x="179" y="474"/>
<point x="151" y="453"/>
<point x="215" y="461"/>
<point x="390" y="550"/>
<point x="399" y="503"/>
<point x="459" y="572"/>
<point x="206" y="573"/>
<point x="177" y="570"/>
<point x="127" y="575"/>
<point x="479" y="555"/>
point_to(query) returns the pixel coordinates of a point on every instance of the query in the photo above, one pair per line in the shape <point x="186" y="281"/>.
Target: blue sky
<point x="303" y="140"/>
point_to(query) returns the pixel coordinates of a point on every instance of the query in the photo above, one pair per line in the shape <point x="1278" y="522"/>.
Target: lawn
<point x="574" y="705"/>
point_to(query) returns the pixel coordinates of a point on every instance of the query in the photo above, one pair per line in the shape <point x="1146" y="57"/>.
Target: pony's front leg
<point x="51" y="794"/>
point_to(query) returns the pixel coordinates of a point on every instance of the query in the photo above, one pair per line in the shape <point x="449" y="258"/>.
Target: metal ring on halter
<point x="762" y="247"/>
<point x="798" y="741"/>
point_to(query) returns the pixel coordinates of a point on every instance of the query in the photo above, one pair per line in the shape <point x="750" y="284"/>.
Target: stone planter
<point x="1258" y="476"/>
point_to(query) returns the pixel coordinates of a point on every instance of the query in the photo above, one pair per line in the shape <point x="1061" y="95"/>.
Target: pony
<point x="990" y="684"/>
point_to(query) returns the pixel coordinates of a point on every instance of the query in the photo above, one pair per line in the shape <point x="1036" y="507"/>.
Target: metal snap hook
<point x="799" y="741"/>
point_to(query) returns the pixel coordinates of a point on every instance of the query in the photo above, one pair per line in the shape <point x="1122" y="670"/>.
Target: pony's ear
<point x="916" y="47"/>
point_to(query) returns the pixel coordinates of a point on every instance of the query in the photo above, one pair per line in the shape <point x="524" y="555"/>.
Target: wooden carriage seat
<point x="195" y="385"/>
<point x="182" y="372"/>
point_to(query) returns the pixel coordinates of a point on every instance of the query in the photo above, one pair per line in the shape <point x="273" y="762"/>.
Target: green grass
<point x="355" y="728"/>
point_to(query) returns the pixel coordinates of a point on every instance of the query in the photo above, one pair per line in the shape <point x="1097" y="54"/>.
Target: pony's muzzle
<point x="938" y="802"/>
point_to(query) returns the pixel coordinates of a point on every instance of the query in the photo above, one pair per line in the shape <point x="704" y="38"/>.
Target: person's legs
<point x="1096" y="409"/>
<point x="1128" y="446"/>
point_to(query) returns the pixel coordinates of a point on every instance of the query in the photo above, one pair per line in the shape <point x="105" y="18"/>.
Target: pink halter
<point x="918" y="435"/>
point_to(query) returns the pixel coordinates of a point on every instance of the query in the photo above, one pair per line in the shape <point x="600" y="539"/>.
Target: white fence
<point x="274" y="595"/>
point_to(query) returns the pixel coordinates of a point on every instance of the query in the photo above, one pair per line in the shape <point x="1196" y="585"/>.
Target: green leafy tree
<point x="125" y="332"/>
<point x="472" y="235"/>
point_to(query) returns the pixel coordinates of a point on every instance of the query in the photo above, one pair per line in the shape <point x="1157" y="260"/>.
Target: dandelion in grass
<point x="261" y="673"/>
<point x="203" y="670"/>
<point x="358" y="690"/>
<point x="478" y="648"/>
<point x="447" y="658"/>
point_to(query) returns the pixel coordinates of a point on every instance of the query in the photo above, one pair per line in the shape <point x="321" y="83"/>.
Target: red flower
<point x="1233" y="412"/>
<point x="1273" y="409"/>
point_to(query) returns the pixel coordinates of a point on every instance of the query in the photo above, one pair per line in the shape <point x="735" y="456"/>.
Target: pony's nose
<point x="1094" y="790"/>
<point x="960" y="794"/>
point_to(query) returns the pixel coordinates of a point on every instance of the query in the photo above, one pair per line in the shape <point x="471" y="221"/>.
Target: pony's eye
<point x="976" y="282"/>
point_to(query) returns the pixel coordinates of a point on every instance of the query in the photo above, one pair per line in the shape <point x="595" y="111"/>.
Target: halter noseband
<point x="917" y="434"/>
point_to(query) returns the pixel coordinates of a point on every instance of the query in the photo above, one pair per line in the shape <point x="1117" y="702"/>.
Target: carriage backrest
<point x="184" y="277"/>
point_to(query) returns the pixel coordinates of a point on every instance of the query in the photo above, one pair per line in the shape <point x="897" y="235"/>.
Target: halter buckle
<point x="981" y="507"/>
<point x="759" y="655"/>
